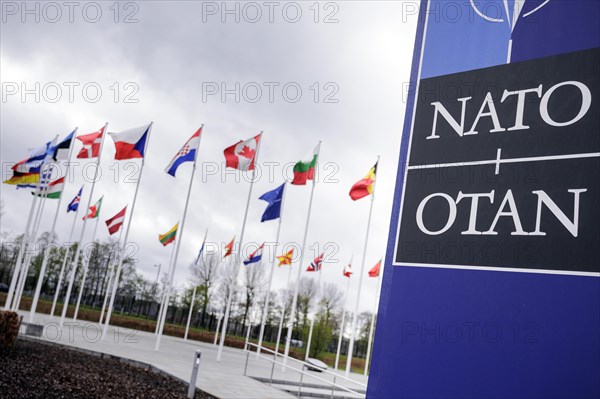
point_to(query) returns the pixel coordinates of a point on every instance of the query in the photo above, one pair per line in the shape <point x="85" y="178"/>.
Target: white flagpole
<point x="110" y="275"/>
<point x="290" y="327"/>
<point x="238" y="257"/>
<point x="187" y="326"/>
<point x="40" y="281"/>
<point x="312" y="321"/>
<point x="283" y="312"/>
<point x="341" y="337"/>
<point x="372" y="328"/>
<point x="33" y="236"/>
<point x="80" y="242"/>
<point x="360" y="279"/>
<point x="120" y="264"/>
<point x="217" y="331"/>
<point x="164" y="295"/>
<point x="180" y="235"/>
<point x="273" y="259"/>
<point x="64" y="264"/>
<point x="85" y="271"/>
<point x="22" y="248"/>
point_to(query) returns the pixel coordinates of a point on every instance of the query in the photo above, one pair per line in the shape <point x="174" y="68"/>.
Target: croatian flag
<point x="75" y="203"/>
<point x="131" y="143"/>
<point x="186" y="154"/>
<point x="255" y="256"/>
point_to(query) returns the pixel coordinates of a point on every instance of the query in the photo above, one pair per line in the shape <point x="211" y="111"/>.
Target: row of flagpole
<point x="21" y="268"/>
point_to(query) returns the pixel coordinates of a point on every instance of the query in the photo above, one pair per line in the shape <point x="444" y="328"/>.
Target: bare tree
<point x="331" y="297"/>
<point x="307" y="291"/>
<point x="254" y="279"/>
<point x="227" y="283"/>
<point x="204" y="275"/>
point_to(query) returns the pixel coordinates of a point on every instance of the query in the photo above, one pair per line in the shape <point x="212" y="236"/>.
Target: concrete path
<point x="224" y="379"/>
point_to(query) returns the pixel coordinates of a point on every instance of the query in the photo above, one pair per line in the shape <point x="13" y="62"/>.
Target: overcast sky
<point x="166" y="62"/>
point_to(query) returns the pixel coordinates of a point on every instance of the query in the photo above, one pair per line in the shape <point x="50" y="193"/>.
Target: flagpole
<point x="217" y="331"/>
<point x="180" y="233"/>
<point x="23" y="248"/>
<point x="64" y="264"/>
<point x="78" y="250"/>
<point x="274" y="257"/>
<point x="362" y="270"/>
<point x="85" y="271"/>
<point x="302" y="251"/>
<point x="341" y="337"/>
<point x="238" y="257"/>
<point x="187" y="326"/>
<point x="120" y="264"/>
<point x="283" y="312"/>
<point x="372" y="328"/>
<point x="110" y="276"/>
<point x="33" y="236"/>
<point x="312" y="322"/>
<point x="40" y="281"/>
<point x="167" y="288"/>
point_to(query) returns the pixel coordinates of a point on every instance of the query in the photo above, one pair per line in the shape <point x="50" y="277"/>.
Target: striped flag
<point x="115" y="223"/>
<point x="364" y="186"/>
<point x="186" y="154"/>
<point x="55" y="189"/>
<point x="255" y="256"/>
<point x="169" y="236"/>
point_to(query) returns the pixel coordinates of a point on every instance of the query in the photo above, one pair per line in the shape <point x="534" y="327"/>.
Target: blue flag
<point x="274" y="198"/>
<point x="73" y="205"/>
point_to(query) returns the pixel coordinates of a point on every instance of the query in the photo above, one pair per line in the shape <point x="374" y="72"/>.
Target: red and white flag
<point x="130" y="143"/>
<point x="374" y="272"/>
<point x="316" y="264"/>
<point x="91" y="144"/>
<point x="242" y="155"/>
<point x="115" y="223"/>
<point x="347" y="270"/>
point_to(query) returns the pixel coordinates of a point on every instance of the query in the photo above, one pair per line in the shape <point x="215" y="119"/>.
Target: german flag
<point x="364" y="186"/>
<point x="169" y="236"/>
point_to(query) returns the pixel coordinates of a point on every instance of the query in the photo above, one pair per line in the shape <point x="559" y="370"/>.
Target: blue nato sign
<point x="491" y="285"/>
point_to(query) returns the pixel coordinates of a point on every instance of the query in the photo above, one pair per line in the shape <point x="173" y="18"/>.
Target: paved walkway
<point x="224" y="379"/>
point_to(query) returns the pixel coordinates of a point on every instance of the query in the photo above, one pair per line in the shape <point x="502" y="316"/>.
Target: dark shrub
<point x="9" y="329"/>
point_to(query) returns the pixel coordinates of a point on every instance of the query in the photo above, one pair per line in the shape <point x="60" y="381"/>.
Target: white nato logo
<point x="510" y="18"/>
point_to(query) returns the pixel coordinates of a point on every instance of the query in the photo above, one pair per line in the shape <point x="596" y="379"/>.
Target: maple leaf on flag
<point x="247" y="152"/>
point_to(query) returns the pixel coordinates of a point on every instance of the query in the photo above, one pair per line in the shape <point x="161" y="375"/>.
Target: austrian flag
<point x="115" y="223"/>
<point x="242" y="155"/>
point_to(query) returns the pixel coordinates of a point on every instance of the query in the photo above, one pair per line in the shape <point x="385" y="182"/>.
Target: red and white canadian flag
<point x="91" y="144"/>
<point x="115" y="223"/>
<point x="242" y="155"/>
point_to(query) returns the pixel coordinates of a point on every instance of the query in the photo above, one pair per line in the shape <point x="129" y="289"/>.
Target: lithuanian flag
<point x="286" y="259"/>
<point x="364" y="186"/>
<point x="169" y="236"/>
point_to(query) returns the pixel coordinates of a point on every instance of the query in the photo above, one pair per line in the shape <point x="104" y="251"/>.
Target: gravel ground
<point x="38" y="370"/>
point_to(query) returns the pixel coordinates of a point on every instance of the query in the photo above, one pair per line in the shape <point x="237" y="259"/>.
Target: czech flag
<point x="186" y="154"/>
<point x="131" y="143"/>
<point x="255" y="256"/>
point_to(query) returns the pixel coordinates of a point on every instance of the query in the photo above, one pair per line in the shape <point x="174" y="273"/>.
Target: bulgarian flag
<point x="169" y="236"/>
<point x="94" y="210"/>
<point x="286" y="259"/>
<point x="374" y="272"/>
<point x="131" y="143"/>
<point x="242" y="155"/>
<point x="229" y="248"/>
<point x="305" y="169"/>
<point x="55" y="189"/>
<point x="364" y="186"/>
